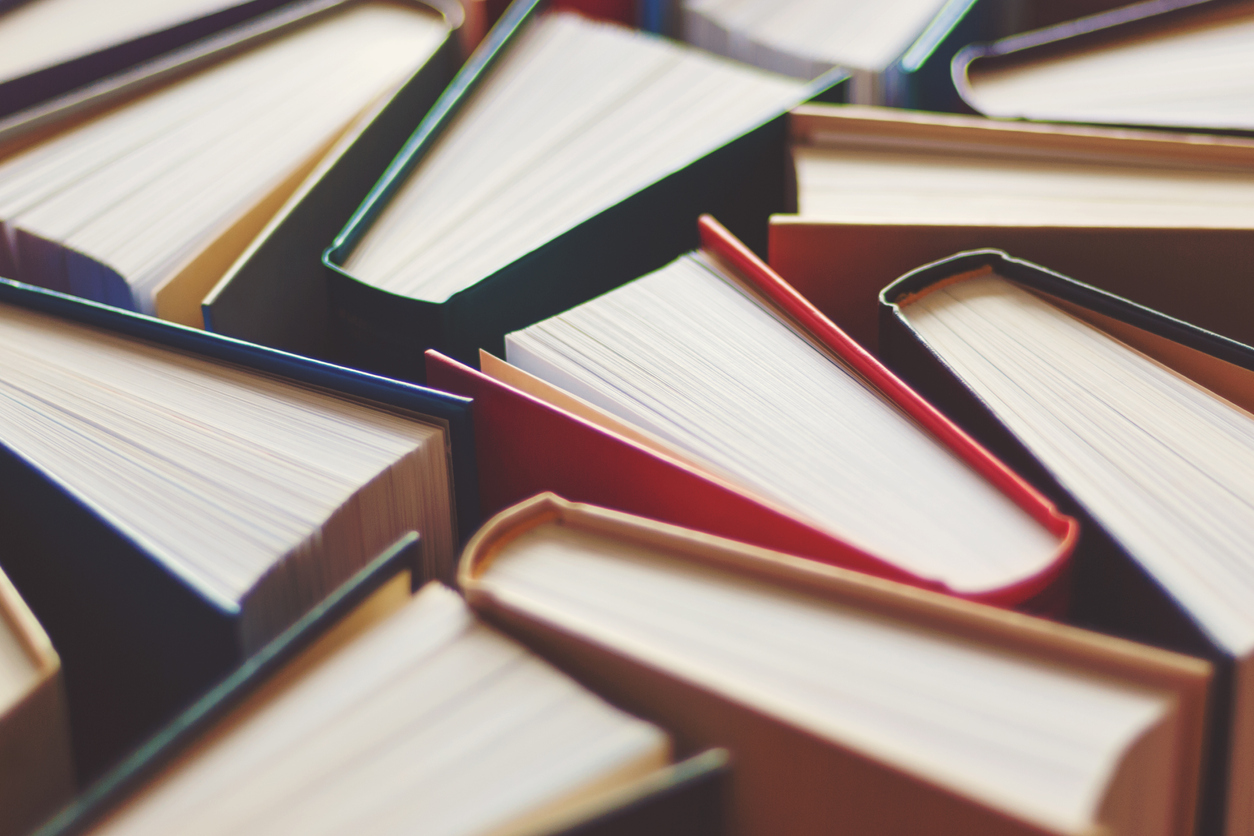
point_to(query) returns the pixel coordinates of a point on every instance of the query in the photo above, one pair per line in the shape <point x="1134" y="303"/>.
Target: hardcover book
<point x="172" y="499"/>
<point x="872" y="446"/>
<point x="562" y="140"/>
<point x="145" y="204"/>
<point x="896" y="53"/>
<point x="843" y="698"/>
<point x="1182" y="64"/>
<point x="427" y="684"/>
<point x="882" y="191"/>
<point x="36" y="768"/>
<point x="1137" y="423"/>
<point x="50" y="49"/>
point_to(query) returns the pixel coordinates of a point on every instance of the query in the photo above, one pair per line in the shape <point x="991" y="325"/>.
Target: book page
<point x="574" y="118"/>
<point x="862" y="184"/>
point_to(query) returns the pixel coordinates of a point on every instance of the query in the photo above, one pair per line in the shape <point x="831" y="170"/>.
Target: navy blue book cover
<point x="136" y="642"/>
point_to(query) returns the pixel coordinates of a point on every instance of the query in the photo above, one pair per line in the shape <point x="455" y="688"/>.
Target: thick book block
<point x="658" y="648"/>
<point x="905" y="67"/>
<point x="1138" y="211"/>
<point x="688" y="797"/>
<point x="1113" y="591"/>
<point x="101" y="202"/>
<point x="1178" y="64"/>
<point x="529" y="440"/>
<point x="275" y="293"/>
<point x="137" y="640"/>
<point x="742" y="181"/>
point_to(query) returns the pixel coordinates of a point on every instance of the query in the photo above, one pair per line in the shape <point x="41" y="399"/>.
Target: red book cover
<point x="525" y="446"/>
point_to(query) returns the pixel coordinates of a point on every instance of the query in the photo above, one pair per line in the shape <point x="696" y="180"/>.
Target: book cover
<point x="687" y="797"/>
<point x="1108" y="32"/>
<point x="137" y="642"/>
<point x="1134" y="236"/>
<point x="1112" y="592"/>
<point x="275" y="293"/>
<point x="528" y="444"/>
<point x="36" y="767"/>
<point x="388" y="333"/>
<point x="794" y="773"/>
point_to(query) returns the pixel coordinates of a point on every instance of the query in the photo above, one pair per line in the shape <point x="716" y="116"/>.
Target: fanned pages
<point x="576" y="117"/>
<point x="806" y="38"/>
<point x="1160" y="462"/>
<point x="36" y="771"/>
<point x="144" y="206"/>
<point x="260" y="494"/>
<point x="420" y="719"/>
<point x="918" y="714"/>
<point x="1189" y="68"/>
<point x="693" y="356"/>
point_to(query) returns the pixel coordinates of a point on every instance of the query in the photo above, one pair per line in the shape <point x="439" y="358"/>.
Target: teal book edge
<point x="137" y="643"/>
<point x="688" y="799"/>
<point x="920" y="78"/>
<point x="145" y="761"/>
<point x="742" y="183"/>
<point x="276" y="292"/>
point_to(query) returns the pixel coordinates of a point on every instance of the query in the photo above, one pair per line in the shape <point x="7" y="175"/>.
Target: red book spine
<point x="716" y="239"/>
<point x="525" y="446"/>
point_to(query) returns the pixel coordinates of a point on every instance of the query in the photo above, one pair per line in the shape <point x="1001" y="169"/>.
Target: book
<point x="275" y="292"/>
<point x="253" y="707"/>
<point x="1180" y="64"/>
<point x="1134" y="421"/>
<point x="145" y="205"/>
<point x="422" y="671"/>
<point x="561" y="138"/>
<point x="35" y="762"/>
<point x="844" y="698"/>
<point x="51" y="48"/>
<point x="173" y="499"/>
<point x="723" y="458"/>
<point x="896" y="53"/>
<point x="881" y="192"/>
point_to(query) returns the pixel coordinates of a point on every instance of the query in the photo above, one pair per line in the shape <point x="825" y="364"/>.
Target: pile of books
<point x="626" y="417"/>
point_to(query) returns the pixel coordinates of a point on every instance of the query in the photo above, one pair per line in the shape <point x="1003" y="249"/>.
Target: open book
<point x="847" y="699"/>
<point x="147" y="204"/>
<point x="1137" y="422"/>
